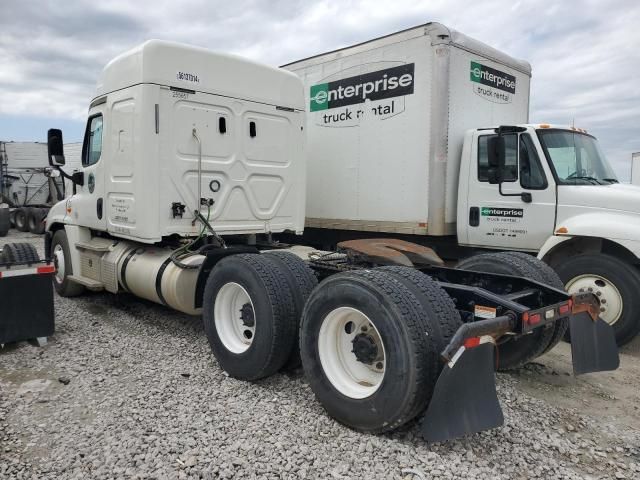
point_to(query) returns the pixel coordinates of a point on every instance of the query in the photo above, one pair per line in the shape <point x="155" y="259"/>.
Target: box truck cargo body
<point x="386" y="125"/>
<point x="425" y="133"/>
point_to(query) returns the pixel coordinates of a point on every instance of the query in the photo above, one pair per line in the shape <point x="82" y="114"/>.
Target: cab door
<point x="498" y="216"/>
<point x="87" y="205"/>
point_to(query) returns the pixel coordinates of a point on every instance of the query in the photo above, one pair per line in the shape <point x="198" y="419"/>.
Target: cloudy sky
<point x="585" y="54"/>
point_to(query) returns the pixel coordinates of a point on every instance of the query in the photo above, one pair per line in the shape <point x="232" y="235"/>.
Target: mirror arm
<point x="525" y="196"/>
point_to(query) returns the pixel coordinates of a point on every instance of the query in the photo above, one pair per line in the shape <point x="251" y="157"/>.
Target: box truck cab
<point x="399" y="132"/>
<point x="557" y="196"/>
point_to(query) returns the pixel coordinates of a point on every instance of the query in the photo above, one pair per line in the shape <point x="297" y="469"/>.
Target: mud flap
<point x="593" y="345"/>
<point x="465" y="399"/>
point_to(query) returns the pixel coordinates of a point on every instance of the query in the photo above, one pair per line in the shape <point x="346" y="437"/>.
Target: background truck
<point x="26" y="192"/>
<point x="399" y="134"/>
<point x="192" y="161"/>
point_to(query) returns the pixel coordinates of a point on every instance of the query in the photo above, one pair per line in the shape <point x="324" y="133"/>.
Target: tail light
<point x="531" y="319"/>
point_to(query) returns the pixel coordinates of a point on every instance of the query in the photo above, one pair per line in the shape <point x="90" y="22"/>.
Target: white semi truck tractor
<point x="401" y="141"/>
<point x="193" y="160"/>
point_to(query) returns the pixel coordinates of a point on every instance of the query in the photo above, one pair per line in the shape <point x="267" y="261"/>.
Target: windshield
<point x="576" y="158"/>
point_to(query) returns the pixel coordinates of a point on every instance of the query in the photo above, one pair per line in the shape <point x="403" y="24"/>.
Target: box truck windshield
<point x="576" y="158"/>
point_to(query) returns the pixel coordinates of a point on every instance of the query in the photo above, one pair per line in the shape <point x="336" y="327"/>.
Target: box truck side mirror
<point x="55" y="147"/>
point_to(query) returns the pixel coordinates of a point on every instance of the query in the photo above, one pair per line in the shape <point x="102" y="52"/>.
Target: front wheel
<point x="614" y="282"/>
<point x="61" y="257"/>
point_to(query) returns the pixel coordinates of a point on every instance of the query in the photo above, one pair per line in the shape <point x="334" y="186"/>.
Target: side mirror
<point x="55" y="147"/>
<point x="496" y="154"/>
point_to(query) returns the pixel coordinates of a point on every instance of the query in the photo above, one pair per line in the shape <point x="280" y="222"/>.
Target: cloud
<point x="585" y="55"/>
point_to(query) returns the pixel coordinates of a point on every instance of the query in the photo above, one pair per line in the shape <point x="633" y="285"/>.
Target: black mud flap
<point x="593" y="345"/>
<point x="464" y="400"/>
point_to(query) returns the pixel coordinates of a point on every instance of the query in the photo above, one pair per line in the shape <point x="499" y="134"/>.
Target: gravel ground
<point x="129" y="389"/>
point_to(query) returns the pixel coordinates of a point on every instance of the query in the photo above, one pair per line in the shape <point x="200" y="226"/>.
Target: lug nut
<point x="590" y="289"/>
<point x="599" y="293"/>
<point x="602" y="309"/>
<point x="604" y="300"/>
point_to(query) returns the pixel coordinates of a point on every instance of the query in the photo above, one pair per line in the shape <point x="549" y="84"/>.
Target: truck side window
<point x="531" y="173"/>
<point x="511" y="157"/>
<point x="92" y="148"/>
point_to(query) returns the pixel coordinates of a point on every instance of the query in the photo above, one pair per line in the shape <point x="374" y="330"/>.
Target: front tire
<point x="61" y="257"/>
<point x="615" y="282"/>
<point x="369" y="349"/>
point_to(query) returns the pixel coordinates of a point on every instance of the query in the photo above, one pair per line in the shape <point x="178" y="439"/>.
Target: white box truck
<point x="399" y="134"/>
<point x="192" y="160"/>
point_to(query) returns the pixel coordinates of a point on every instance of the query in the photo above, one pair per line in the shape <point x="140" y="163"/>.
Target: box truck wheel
<point x="248" y="313"/>
<point x="615" y="283"/>
<point x="513" y="352"/>
<point x="5" y="221"/>
<point x="20" y="219"/>
<point x="35" y="216"/>
<point x="551" y="278"/>
<point x="62" y="261"/>
<point x="365" y="352"/>
<point x="302" y="281"/>
<point x="20" y="253"/>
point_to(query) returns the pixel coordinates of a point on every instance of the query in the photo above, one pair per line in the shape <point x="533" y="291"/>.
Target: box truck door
<point x="87" y="206"/>
<point x="496" y="220"/>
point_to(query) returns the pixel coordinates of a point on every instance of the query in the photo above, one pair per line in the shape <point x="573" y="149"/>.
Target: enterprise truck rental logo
<point x="492" y="84"/>
<point x="492" y="77"/>
<point x="502" y="212"/>
<point x="378" y="85"/>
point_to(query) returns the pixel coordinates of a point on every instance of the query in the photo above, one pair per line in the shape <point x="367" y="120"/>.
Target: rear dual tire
<point x="513" y="353"/>
<point x="20" y="219"/>
<point x="35" y="220"/>
<point x="370" y="342"/>
<point x="251" y="313"/>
